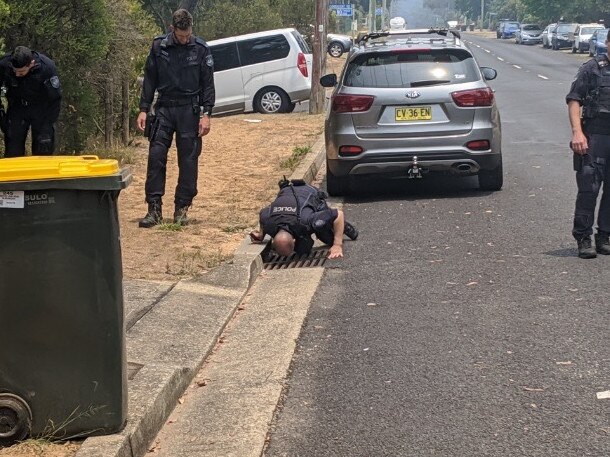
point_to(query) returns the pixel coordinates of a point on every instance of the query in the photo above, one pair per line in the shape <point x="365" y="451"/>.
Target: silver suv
<point x="410" y="104"/>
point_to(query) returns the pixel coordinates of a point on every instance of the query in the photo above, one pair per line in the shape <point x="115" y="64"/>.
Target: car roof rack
<point x="411" y="36"/>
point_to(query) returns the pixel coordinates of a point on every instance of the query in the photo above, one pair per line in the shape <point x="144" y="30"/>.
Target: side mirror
<point x="489" y="73"/>
<point x="328" y="80"/>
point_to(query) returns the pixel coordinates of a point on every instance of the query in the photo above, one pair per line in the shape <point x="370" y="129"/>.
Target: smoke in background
<point x="422" y="13"/>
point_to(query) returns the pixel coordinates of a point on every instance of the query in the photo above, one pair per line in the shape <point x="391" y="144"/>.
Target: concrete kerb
<point x="170" y="342"/>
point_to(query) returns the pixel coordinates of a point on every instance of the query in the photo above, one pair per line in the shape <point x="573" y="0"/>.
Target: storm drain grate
<point x="316" y="258"/>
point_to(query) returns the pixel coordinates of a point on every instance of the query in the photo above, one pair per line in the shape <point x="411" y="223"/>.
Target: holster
<point x="148" y="126"/>
<point x="580" y="161"/>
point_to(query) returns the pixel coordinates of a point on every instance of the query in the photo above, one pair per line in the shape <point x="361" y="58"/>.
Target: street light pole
<point x="383" y="8"/>
<point x="316" y="99"/>
<point x="482" y="13"/>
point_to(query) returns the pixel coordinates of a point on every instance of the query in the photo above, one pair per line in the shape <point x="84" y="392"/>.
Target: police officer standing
<point x="299" y="211"/>
<point x="181" y="69"/>
<point x="591" y="146"/>
<point x="34" y="98"/>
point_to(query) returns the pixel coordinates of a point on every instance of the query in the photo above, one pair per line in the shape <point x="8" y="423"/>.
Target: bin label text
<point x="12" y="199"/>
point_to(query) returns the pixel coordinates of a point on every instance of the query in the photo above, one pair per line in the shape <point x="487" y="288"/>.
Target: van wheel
<point x="336" y="186"/>
<point x="491" y="179"/>
<point x="271" y="100"/>
<point x="335" y="49"/>
<point x="291" y="107"/>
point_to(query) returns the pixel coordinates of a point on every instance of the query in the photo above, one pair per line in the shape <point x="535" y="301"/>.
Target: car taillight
<point x="350" y="150"/>
<point x="473" y="97"/>
<point x="351" y="103"/>
<point x="478" y="145"/>
<point x="302" y="64"/>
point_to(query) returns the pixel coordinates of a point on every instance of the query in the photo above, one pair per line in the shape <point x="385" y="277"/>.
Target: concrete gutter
<point x="172" y="330"/>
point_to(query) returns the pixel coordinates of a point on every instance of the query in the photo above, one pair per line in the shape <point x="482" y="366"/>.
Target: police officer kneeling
<point x="299" y="211"/>
<point x="591" y="147"/>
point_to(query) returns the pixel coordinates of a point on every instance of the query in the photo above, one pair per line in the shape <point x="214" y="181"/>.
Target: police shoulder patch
<point x="209" y="60"/>
<point x="54" y="82"/>
<point x="319" y="223"/>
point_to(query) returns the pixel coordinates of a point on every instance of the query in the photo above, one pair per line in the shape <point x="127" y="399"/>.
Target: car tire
<point x="335" y="49"/>
<point x="291" y="107"/>
<point x="337" y="186"/>
<point x="491" y="180"/>
<point x="271" y="100"/>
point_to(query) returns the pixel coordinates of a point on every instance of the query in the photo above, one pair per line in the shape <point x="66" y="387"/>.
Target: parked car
<point x="546" y="35"/>
<point x="560" y="37"/>
<point x="338" y="44"/>
<point x="528" y="34"/>
<point x="500" y="26"/>
<point x="597" y="43"/>
<point x="582" y="35"/>
<point x="508" y="29"/>
<point x="267" y="72"/>
<point x="409" y="106"/>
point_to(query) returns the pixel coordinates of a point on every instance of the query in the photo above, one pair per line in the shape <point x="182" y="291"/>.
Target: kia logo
<point x="412" y="94"/>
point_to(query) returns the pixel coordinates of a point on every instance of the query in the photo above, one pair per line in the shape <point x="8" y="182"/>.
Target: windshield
<point x="601" y="34"/>
<point x="588" y="30"/>
<point x="531" y="27"/>
<point x="563" y="28"/>
<point x="512" y="25"/>
<point x="411" y="68"/>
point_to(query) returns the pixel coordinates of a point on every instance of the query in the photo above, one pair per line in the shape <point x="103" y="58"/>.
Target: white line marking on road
<point x="500" y="58"/>
<point x="517" y="66"/>
<point x="486" y="50"/>
<point x="478" y="45"/>
<point x="543" y="77"/>
<point x="603" y="395"/>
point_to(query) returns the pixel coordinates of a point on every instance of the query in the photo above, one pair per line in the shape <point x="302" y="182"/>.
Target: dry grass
<point x="38" y="448"/>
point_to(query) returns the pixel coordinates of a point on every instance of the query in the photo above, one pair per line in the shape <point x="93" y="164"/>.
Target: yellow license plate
<point x="414" y="113"/>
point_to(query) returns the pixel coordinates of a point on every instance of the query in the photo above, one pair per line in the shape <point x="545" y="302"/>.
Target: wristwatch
<point x="203" y="111"/>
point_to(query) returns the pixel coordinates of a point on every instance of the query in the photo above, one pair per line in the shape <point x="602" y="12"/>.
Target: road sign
<point x="379" y="11"/>
<point x="347" y="12"/>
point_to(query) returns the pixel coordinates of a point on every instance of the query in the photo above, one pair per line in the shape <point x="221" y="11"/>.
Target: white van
<point x="266" y="72"/>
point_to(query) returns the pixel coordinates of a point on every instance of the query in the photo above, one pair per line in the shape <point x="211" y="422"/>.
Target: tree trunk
<point x="125" y="110"/>
<point x="316" y="100"/>
<point x="188" y="5"/>
<point x="108" y="117"/>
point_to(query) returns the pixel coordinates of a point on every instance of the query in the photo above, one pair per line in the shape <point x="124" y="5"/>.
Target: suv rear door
<point x="412" y="90"/>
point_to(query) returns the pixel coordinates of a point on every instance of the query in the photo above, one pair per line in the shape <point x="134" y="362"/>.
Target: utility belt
<point x="178" y="101"/>
<point x="23" y="102"/>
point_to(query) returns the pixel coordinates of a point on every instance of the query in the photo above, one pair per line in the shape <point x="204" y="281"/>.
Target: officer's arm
<point x="207" y="93"/>
<point x="53" y="88"/>
<point x="579" y="142"/>
<point x="336" y="250"/>
<point x="150" y="82"/>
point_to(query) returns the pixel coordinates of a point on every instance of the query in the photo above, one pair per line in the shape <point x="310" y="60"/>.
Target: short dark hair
<point x="182" y="20"/>
<point x="21" y="57"/>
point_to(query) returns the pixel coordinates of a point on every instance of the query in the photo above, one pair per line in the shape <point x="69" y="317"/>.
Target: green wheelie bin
<point x="62" y="339"/>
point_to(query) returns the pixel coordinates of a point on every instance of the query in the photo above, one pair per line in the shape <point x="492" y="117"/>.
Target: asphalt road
<point x="461" y="323"/>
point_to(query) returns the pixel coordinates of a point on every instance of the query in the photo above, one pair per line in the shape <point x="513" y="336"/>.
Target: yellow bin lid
<point x="56" y="167"/>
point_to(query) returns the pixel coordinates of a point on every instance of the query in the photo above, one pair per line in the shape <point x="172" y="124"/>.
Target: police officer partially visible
<point x="34" y="97"/>
<point x="299" y="211"/>
<point x="591" y="146"/>
<point x="181" y="69"/>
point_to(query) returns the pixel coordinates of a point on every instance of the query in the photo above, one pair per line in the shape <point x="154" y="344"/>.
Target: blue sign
<point x="379" y="11"/>
<point x="344" y="12"/>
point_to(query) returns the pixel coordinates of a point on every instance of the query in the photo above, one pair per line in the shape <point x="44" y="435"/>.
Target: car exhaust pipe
<point x="415" y="170"/>
<point x="464" y="167"/>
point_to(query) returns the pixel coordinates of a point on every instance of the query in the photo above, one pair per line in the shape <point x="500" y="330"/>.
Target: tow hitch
<point x="414" y="171"/>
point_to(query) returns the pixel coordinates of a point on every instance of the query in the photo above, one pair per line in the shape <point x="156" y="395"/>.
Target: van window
<point x="264" y="49"/>
<point x="302" y="44"/>
<point x="225" y="56"/>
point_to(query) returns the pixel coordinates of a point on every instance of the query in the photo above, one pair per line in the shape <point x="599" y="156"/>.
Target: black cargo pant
<point x="593" y="170"/>
<point x="19" y="121"/>
<point x="184" y="122"/>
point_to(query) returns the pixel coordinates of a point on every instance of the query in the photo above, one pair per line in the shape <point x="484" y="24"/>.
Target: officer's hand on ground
<point x="141" y="121"/>
<point x="335" y="252"/>
<point x="204" y="126"/>
<point x="256" y="237"/>
<point x="579" y="143"/>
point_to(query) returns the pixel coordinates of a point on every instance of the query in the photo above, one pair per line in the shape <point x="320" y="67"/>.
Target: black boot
<point x="602" y="243"/>
<point x="180" y="215"/>
<point x="350" y="231"/>
<point x="153" y="217"/>
<point x="585" y="249"/>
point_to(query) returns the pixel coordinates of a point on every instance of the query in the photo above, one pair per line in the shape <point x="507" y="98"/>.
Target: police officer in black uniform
<point x="299" y="211"/>
<point x="591" y="146"/>
<point x="181" y="69"/>
<point x="34" y="97"/>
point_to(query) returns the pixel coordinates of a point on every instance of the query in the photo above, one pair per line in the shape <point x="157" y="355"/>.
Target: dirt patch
<point x="38" y="448"/>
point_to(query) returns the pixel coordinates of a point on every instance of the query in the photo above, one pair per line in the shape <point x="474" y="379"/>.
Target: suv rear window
<point x="264" y="49"/>
<point x="302" y="44"/>
<point x="411" y="69"/>
<point x="588" y="30"/>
